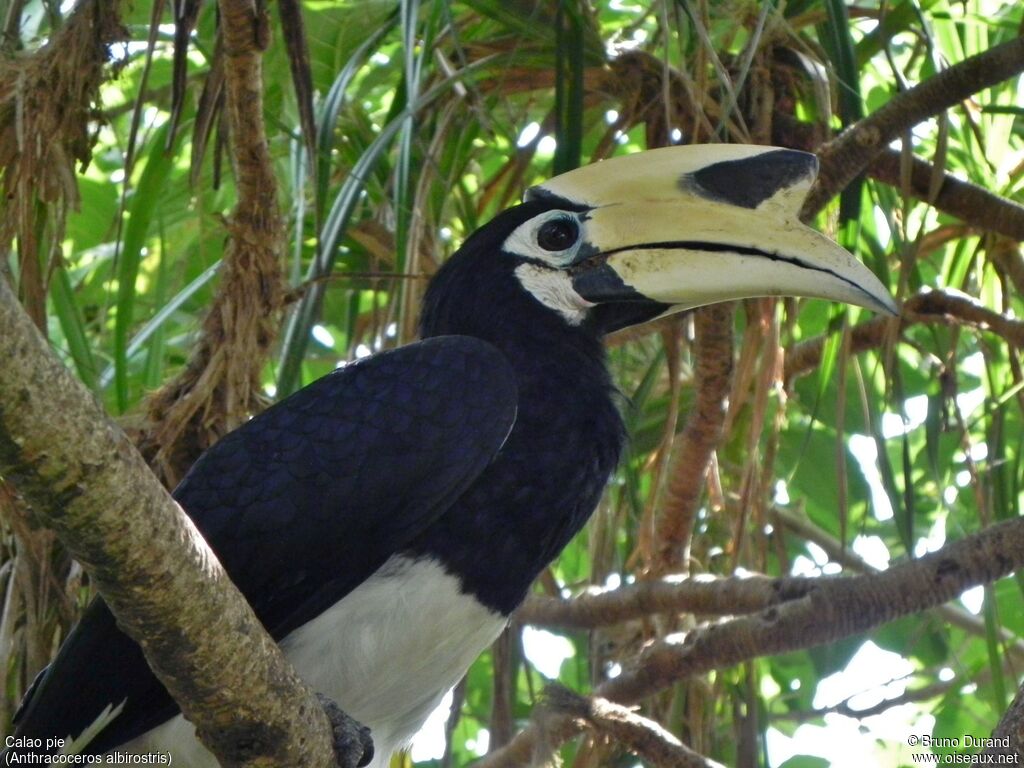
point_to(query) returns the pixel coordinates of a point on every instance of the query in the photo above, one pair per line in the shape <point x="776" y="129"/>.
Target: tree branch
<point x="706" y="595"/>
<point x="642" y="736"/>
<point x="932" y="307"/>
<point x="846" y="156"/>
<point x="838" y="553"/>
<point x="162" y="582"/>
<point x="945" y="307"/>
<point x="969" y="202"/>
<point x="973" y="204"/>
<point x="715" y="596"/>
<point x="839" y="607"/>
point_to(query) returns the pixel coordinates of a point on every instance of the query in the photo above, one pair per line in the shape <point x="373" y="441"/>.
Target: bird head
<point x="628" y="239"/>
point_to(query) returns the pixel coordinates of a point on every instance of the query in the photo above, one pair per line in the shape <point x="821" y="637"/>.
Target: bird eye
<point x="558" y="234"/>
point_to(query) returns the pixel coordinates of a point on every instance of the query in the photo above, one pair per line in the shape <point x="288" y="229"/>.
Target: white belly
<point x="386" y="654"/>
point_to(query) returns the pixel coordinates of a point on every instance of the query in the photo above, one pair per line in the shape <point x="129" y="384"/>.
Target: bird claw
<point x="353" y="745"/>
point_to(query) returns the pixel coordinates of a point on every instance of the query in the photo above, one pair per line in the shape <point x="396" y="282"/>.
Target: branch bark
<point x="718" y="596"/>
<point x="839" y="607"/>
<point x="972" y="203"/>
<point x="846" y="156"/>
<point x="839" y="553"/>
<point x="705" y="595"/>
<point x="167" y="589"/>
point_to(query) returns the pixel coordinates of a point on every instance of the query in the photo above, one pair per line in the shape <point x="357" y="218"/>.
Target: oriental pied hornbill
<point x="385" y="520"/>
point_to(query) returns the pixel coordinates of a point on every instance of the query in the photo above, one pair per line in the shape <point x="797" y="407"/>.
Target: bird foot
<point x="353" y="746"/>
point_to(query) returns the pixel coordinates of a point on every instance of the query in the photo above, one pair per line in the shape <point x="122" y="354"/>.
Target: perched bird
<point x="386" y="520"/>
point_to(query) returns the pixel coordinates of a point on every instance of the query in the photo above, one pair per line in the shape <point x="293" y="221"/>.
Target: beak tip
<point x="889" y="307"/>
<point x="879" y="299"/>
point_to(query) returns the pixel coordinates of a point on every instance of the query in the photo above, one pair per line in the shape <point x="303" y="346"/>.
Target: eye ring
<point x="558" y="234"/>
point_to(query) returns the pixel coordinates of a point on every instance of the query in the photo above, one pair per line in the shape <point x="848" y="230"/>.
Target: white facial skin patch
<point x="553" y="288"/>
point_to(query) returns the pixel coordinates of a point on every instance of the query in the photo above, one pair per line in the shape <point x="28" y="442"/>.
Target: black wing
<point x="302" y="504"/>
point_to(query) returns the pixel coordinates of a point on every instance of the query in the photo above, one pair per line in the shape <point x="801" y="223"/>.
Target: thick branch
<point x="168" y="591"/>
<point x="839" y="553"/>
<point x="838" y="608"/>
<point x="841" y="607"/>
<point x="846" y="156"/>
<point x="716" y="596"/>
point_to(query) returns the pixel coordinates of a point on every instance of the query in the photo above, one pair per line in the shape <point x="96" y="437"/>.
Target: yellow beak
<point x="688" y="226"/>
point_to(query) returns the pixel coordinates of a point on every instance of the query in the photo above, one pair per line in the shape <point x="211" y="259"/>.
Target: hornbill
<point x="386" y="520"/>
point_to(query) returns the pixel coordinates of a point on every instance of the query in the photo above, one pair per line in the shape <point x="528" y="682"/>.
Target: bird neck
<point x="548" y="477"/>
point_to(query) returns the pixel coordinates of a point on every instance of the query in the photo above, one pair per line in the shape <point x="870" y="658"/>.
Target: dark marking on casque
<point x="752" y="180"/>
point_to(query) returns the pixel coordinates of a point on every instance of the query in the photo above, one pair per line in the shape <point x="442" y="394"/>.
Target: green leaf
<point x="569" y="64"/>
<point x="62" y="294"/>
<point x="141" y="207"/>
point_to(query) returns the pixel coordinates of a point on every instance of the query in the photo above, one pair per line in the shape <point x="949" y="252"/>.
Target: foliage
<point x="871" y="453"/>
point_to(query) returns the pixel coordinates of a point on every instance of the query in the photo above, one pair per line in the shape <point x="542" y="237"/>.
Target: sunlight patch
<point x="864" y="450"/>
<point x="528" y="134"/>
<point x="973" y="599"/>
<point x="872" y="550"/>
<point x="546" y="651"/>
<point x="873" y="675"/>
